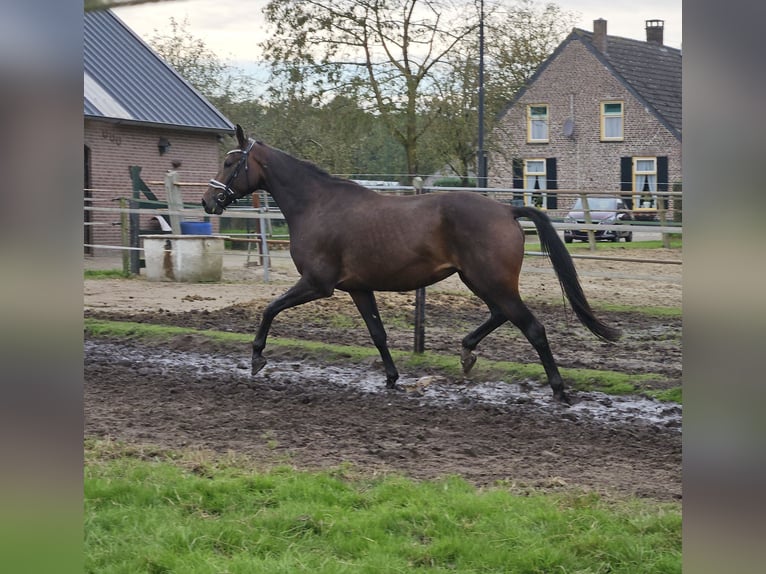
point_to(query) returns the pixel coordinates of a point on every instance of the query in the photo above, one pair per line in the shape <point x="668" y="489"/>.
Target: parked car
<point x="603" y="210"/>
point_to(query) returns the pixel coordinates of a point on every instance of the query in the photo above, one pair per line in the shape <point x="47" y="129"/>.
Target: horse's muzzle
<point x="212" y="207"/>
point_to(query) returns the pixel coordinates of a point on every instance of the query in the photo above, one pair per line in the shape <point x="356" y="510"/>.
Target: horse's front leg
<point x="302" y="292"/>
<point x="368" y="308"/>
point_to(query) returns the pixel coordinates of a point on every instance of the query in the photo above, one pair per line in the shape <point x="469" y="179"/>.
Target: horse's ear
<point x="241" y="139"/>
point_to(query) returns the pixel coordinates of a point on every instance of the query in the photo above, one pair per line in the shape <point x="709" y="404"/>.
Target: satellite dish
<point x="568" y="127"/>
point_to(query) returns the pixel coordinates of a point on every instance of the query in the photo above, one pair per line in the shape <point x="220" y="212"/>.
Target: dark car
<point x="603" y="210"/>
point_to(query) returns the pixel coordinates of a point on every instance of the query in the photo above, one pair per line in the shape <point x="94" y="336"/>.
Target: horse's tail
<point x="555" y="249"/>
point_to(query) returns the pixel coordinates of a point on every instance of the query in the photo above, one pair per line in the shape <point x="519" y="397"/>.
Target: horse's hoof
<point x="468" y="360"/>
<point x="391" y="385"/>
<point x="258" y="364"/>
<point x="562" y="397"/>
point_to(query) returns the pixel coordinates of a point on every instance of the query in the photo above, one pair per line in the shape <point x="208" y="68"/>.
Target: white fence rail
<point x="265" y="216"/>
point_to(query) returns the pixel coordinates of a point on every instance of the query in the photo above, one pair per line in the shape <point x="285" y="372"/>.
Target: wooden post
<point x="175" y="200"/>
<point x="420" y="295"/>
<point x="588" y="220"/>
<point x="135" y="220"/>
<point x="662" y="216"/>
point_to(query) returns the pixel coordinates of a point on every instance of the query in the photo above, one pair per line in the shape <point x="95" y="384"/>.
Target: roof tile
<point x="652" y="70"/>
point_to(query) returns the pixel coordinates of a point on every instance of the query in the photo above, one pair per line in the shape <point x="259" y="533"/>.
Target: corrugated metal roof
<point x="126" y="80"/>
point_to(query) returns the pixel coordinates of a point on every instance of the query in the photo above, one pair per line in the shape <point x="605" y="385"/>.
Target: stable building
<point x="138" y="112"/>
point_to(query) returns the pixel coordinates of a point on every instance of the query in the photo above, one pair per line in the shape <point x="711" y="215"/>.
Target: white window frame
<point x="645" y="184"/>
<point x="609" y="118"/>
<point x="537" y="125"/>
<point x="535" y="197"/>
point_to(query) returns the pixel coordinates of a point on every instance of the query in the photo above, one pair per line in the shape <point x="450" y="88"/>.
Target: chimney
<point x="654" y="29"/>
<point x="599" y="34"/>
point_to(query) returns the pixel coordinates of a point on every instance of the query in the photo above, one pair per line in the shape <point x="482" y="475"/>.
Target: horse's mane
<point x="311" y="167"/>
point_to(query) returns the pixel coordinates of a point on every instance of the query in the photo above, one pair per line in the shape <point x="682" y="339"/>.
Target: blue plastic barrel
<point x="196" y="228"/>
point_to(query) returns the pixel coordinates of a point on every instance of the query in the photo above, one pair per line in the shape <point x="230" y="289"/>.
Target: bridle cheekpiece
<point x="227" y="194"/>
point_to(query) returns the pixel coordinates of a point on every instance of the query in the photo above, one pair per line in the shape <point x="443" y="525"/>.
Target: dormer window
<point x="612" y="121"/>
<point x="537" y="123"/>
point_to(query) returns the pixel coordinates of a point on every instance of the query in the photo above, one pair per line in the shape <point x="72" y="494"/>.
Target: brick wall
<point x="112" y="148"/>
<point x="573" y="85"/>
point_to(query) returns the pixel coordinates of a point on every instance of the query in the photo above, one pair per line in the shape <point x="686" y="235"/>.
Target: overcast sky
<point x="232" y="28"/>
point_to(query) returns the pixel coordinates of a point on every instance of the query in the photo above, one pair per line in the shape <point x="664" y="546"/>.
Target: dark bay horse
<point x="345" y="236"/>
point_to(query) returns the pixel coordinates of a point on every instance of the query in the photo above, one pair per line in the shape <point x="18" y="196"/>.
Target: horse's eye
<point x="227" y="163"/>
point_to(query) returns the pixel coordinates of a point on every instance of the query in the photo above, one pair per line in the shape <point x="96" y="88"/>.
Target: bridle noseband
<point x="227" y="194"/>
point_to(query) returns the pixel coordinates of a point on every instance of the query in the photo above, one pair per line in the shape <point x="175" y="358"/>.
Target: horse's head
<point x="241" y="174"/>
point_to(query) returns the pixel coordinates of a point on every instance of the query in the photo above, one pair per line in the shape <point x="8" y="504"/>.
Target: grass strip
<point x="649" y="311"/>
<point x="106" y="274"/>
<point x="151" y="512"/>
<point x="609" y="382"/>
<point x="676" y="242"/>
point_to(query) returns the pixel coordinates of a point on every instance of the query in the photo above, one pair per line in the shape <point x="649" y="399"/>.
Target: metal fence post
<point x="420" y="294"/>
<point x="256" y="203"/>
<point x="125" y="234"/>
<point x="264" y="246"/>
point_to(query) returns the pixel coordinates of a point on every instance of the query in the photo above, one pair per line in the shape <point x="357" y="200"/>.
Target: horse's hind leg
<point x="301" y="292"/>
<point x="472" y="340"/>
<point x="520" y="315"/>
<point x="368" y="308"/>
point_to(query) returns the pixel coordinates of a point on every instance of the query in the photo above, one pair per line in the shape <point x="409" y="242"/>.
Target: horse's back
<point x="400" y="243"/>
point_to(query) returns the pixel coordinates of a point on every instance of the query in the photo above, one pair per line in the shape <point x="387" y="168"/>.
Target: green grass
<point x="673" y="395"/>
<point x="106" y="274"/>
<point x="610" y="382"/>
<point x="675" y="243"/>
<point x="155" y="512"/>
<point x="643" y="310"/>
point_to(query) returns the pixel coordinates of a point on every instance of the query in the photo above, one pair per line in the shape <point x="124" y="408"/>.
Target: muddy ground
<point x="189" y="392"/>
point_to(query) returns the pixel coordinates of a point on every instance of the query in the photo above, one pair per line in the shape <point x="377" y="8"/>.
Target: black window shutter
<point x="626" y="179"/>
<point x="552" y="182"/>
<point x="518" y="176"/>
<point x="662" y="177"/>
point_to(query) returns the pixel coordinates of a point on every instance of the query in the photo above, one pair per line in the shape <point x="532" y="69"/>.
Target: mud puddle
<point x="608" y="410"/>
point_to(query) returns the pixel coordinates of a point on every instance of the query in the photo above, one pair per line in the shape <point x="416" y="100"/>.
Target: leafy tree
<point x="413" y="64"/>
<point x="338" y="134"/>
<point x="366" y="87"/>
<point x="517" y="40"/>
<point x="200" y="66"/>
<point x="382" y="52"/>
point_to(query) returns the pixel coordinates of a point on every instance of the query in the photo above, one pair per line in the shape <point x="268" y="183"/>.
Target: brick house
<point x="138" y="112"/>
<point x="603" y="114"/>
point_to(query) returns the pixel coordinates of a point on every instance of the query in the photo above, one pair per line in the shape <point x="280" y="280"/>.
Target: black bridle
<point x="227" y="194"/>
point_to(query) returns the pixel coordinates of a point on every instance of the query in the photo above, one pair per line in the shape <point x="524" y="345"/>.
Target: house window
<point x="645" y="182"/>
<point x="535" y="178"/>
<point x="611" y="121"/>
<point x="537" y="123"/>
<point x="534" y="175"/>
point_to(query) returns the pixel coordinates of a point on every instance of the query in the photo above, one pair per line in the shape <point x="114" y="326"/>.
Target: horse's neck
<point x="293" y="185"/>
